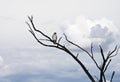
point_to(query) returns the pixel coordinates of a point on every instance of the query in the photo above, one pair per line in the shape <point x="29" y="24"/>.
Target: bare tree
<point x="102" y="67"/>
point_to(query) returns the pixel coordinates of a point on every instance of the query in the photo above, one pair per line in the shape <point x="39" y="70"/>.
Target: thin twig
<point x="92" y="50"/>
<point x="59" y="39"/>
<point x="116" y="52"/>
<point x="77" y="55"/>
<point x="76" y="45"/>
<point x="110" y="53"/>
<point x="107" y="65"/>
<point x="83" y="50"/>
<point x="101" y="50"/>
<point x="112" y="76"/>
<point x="44" y="39"/>
<point x="31" y="20"/>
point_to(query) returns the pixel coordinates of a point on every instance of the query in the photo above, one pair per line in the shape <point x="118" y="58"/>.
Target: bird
<point x="54" y="37"/>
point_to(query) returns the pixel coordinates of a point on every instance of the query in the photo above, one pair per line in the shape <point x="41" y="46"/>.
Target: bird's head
<point x="55" y="33"/>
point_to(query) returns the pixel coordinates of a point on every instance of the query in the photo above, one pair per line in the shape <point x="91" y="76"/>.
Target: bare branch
<point x="31" y="20"/>
<point x="115" y="52"/>
<point x="107" y="65"/>
<point x="106" y="62"/>
<point x="30" y="29"/>
<point x="91" y="56"/>
<point x="112" y="76"/>
<point x="77" y="45"/>
<point x="40" y="41"/>
<point x="59" y="46"/>
<point x="96" y="77"/>
<point x="92" y="49"/>
<point x="101" y="50"/>
<point x="77" y="55"/>
<point x="104" y="77"/>
<point x="59" y="39"/>
<point x="110" y="53"/>
<point x="44" y="39"/>
<point x="32" y="32"/>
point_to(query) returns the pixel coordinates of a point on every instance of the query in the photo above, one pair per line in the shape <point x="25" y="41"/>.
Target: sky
<point x="22" y="59"/>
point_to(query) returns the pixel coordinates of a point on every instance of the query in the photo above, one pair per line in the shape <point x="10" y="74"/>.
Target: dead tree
<point x="106" y="59"/>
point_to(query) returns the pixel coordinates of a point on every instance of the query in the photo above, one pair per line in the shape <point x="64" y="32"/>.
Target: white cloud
<point x="35" y="61"/>
<point x="107" y="81"/>
<point x="1" y="61"/>
<point x="14" y="32"/>
<point x="84" y="31"/>
<point x="4" y="69"/>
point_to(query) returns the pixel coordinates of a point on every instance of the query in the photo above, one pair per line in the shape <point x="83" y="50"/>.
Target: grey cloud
<point x="29" y="60"/>
<point x="40" y="77"/>
<point x="109" y="40"/>
<point x="46" y="77"/>
<point x="104" y="34"/>
<point x="98" y="32"/>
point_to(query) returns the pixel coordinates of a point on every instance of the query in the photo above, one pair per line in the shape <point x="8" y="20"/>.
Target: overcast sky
<point x="22" y="59"/>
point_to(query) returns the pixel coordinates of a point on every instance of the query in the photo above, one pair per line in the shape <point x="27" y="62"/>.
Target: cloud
<point x="84" y="31"/>
<point x="1" y="61"/>
<point x="107" y="81"/>
<point x="38" y="61"/>
<point x="81" y="30"/>
<point x="41" y="77"/>
<point x="26" y="67"/>
<point x="116" y="67"/>
<point x="4" y="69"/>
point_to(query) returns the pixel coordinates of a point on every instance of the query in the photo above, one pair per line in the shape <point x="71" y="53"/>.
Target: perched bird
<point x="54" y="37"/>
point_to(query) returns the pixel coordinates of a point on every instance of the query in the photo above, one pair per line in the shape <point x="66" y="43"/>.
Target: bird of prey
<point x="54" y="37"/>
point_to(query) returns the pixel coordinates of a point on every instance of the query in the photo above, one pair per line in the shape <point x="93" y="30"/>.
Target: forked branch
<point x="56" y="45"/>
<point x="106" y="59"/>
